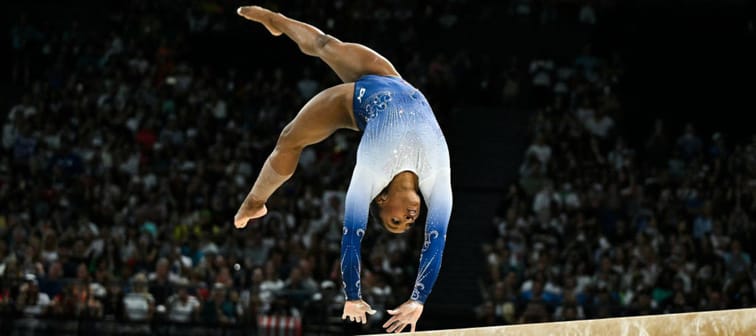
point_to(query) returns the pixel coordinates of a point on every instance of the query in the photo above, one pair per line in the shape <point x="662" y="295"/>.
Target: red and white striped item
<point x="274" y="325"/>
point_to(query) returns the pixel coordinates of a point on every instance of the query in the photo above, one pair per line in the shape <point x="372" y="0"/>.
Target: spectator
<point x="52" y="284"/>
<point x="113" y="304"/>
<point x="657" y="145"/>
<point x="587" y="14"/>
<point x="298" y="290"/>
<point x="270" y="286"/>
<point x="568" y="197"/>
<point x="587" y="63"/>
<point x="182" y="307"/>
<point x="679" y="304"/>
<point x="713" y="299"/>
<point x="92" y="307"/>
<point x="531" y="174"/>
<point x="540" y="149"/>
<point x="218" y="309"/>
<point x="510" y="90"/>
<point x="161" y="281"/>
<point x="643" y="304"/>
<point x="736" y="261"/>
<point x="703" y="223"/>
<point x="250" y="296"/>
<point x="139" y="304"/>
<point x="600" y="124"/>
<point x="535" y="312"/>
<point x="689" y="144"/>
<point x="30" y="301"/>
<point x="535" y="293"/>
<point x="620" y="156"/>
<point x="544" y="201"/>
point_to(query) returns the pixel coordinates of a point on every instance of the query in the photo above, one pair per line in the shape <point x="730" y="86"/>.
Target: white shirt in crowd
<point x="599" y="126"/>
<point x="137" y="305"/>
<point x="42" y="302"/>
<point x="543" y="199"/>
<point x="182" y="311"/>
<point x="541" y="152"/>
<point x="268" y="290"/>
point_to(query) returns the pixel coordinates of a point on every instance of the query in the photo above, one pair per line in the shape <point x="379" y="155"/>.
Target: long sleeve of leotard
<point x="357" y="206"/>
<point x="439" y="200"/>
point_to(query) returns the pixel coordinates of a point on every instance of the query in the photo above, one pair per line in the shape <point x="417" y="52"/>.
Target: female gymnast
<point x="401" y="151"/>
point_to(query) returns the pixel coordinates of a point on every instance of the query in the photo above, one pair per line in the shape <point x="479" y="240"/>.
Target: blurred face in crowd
<point x="270" y="270"/>
<point x="140" y="285"/>
<point x="81" y="272"/>
<point x="56" y="270"/>
<point x="32" y="288"/>
<point x="679" y="298"/>
<point x="295" y="276"/>
<point x="735" y="247"/>
<point x="570" y="313"/>
<point x="161" y="269"/>
<point x="114" y="288"/>
<point x="183" y="295"/>
<point x="219" y="294"/>
<point x="257" y="276"/>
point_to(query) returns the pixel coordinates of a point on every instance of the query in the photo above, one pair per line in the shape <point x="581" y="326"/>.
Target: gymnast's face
<point x="399" y="209"/>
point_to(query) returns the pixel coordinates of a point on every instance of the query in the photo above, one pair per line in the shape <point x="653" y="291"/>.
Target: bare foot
<point x="261" y="15"/>
<point x="243" y="216"/>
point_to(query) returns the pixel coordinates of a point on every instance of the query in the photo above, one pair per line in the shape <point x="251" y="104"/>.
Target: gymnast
<point x="402" y="152"/>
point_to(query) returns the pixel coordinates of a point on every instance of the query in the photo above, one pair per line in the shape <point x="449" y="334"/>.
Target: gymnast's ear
<point x="375" y="211"/>
<point x="382" y="197"/>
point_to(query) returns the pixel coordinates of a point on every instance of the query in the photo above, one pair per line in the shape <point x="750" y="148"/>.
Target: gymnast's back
<point x="401" y="132"/>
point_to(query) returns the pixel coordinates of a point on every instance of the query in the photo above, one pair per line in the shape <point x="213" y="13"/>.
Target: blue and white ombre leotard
<point x="400" y="134"/>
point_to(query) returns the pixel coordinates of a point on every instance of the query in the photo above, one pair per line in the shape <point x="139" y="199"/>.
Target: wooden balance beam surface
<point x="722" y="322"/>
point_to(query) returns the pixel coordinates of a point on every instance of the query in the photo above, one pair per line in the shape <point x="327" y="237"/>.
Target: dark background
<point x="684" y="61"/>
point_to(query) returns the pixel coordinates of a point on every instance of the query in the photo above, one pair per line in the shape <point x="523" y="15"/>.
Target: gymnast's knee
<point x="289" y="141"/>
<point x="315" y="47"/>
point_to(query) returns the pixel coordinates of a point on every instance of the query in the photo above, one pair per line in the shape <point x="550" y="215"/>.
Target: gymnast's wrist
<point x="352" y="295"/>
<point x="418" y="298"/>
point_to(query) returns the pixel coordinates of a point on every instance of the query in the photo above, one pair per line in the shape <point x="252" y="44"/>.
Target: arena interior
<point x="603" y="165"/>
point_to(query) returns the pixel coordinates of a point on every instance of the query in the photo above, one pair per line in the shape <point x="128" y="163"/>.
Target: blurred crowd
<point x="124" y="159"/>
<point x="130" y="143"/>
<point x="606" y="221"/>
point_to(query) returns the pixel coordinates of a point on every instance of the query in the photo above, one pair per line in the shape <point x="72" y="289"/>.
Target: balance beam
<point x="734" y="322"/>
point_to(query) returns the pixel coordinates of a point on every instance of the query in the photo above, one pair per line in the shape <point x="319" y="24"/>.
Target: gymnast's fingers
<point x="397" y="327"/>
<point x="390" y="321"/>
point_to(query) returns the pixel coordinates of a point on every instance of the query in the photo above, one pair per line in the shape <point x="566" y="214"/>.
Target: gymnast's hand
<point x="408" y="313"/>
<point x="355" y="310"/>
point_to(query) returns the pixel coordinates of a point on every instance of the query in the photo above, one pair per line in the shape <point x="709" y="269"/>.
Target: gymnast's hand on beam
<point x="408" y="313"/>
<point x="355" y="310"/>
